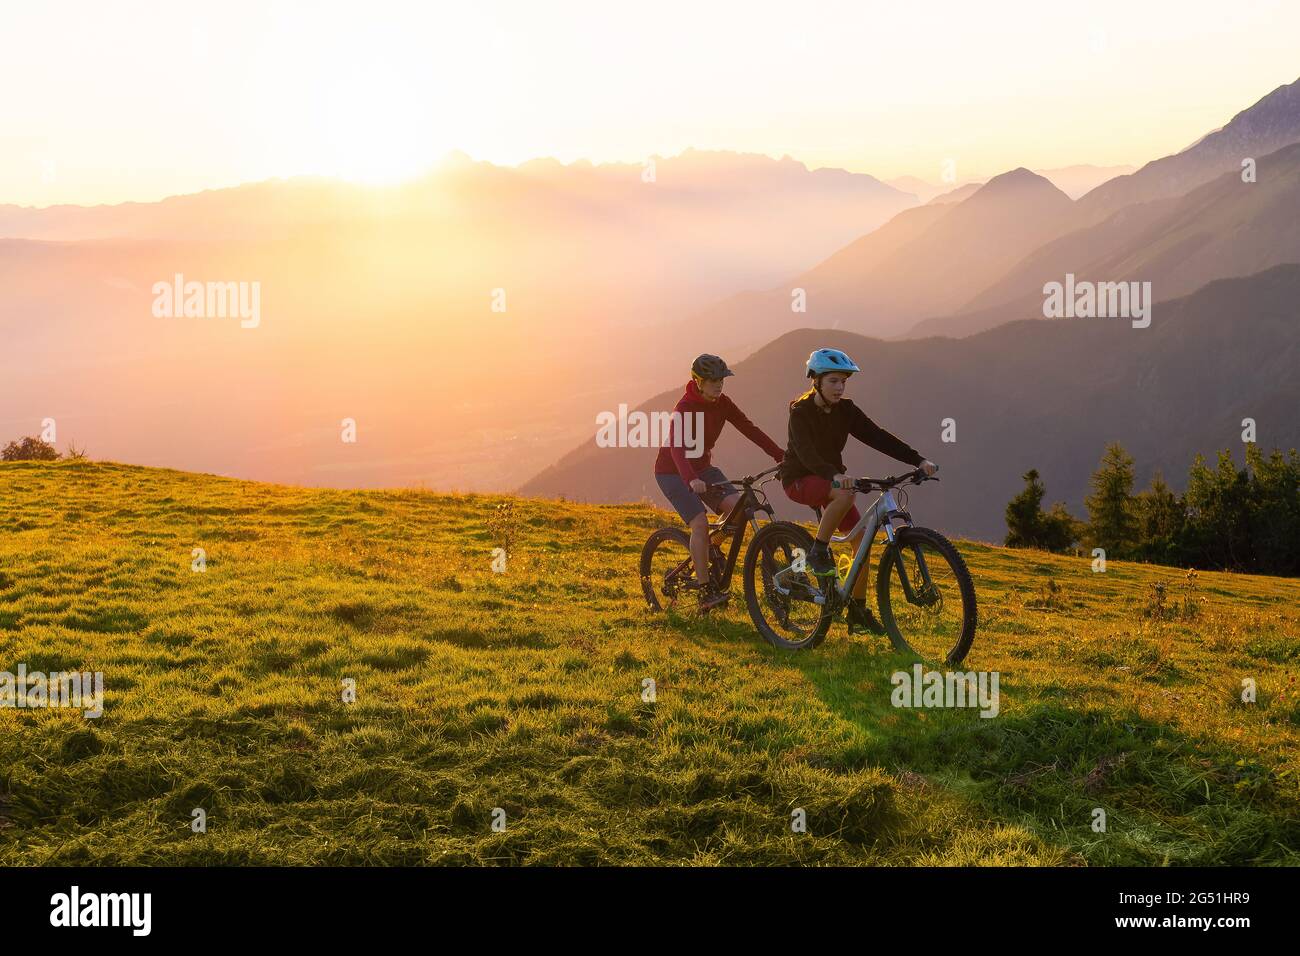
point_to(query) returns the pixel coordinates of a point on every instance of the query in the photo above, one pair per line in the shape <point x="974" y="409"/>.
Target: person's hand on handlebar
<point x="698" y="486"/>
<point x="929" y="467"/>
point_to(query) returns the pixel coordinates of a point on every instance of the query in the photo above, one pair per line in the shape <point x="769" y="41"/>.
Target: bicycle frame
<point x="733" y="523"/>
<point x="884" y="511"/>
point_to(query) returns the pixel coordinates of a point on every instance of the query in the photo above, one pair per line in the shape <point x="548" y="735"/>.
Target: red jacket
<point x="716" y="414"/>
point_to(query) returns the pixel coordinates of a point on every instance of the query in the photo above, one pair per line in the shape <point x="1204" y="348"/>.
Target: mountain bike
<point x="925" y="594"/>
<point x="667" y="571"/>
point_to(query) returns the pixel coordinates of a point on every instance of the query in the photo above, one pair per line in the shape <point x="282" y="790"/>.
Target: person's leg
<point x="847" y="523"/>
<point x="836" y="503"/>
<point x="860" y="618"/>
<point x="716" y="479"/>
<point x="834" y="512"/>
<point x="700" y="546"/>
<point x="722" y="495"/>
<point x="691" y="509"/>
<point x="860" y="585"/>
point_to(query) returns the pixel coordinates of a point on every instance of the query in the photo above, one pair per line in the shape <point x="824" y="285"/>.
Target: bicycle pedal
<point x="715" y="602"/>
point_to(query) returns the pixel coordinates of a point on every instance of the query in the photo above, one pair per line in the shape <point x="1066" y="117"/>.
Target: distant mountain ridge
<point x="1226" y="227"/>
<point x="964" y="262"/>
<point x="1074" y="181"/>
<point x="925" y="261"/>
<point x="718" y="182"/>
<point x="1265" y="127"/>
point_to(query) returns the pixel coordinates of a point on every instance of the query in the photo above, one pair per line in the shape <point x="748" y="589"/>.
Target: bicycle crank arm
<point x="799" y="592"/>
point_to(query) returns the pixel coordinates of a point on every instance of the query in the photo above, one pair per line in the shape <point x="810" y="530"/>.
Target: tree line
<point x="1245" y="519"/>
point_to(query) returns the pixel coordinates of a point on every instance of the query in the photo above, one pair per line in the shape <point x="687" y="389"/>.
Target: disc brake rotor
<point x="929" y="596"/>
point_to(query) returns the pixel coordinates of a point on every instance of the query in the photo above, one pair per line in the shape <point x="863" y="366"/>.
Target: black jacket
<point x="817" y="439"/>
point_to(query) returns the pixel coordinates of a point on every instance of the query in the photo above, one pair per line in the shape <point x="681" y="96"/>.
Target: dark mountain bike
<point x="667" y="571"/>
<point x="924" y="591"/>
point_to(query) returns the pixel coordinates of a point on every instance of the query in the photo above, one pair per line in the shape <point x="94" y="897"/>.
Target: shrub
<point x="29" y="449"/>
<point x="503" y="525"/>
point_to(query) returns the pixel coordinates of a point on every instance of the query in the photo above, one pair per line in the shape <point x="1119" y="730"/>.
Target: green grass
<point x="522" y="691"/>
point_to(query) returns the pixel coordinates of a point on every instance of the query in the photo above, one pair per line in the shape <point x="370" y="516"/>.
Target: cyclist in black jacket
<point x="813" y="472"/>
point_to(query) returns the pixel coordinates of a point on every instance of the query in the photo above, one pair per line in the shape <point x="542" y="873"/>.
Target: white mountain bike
<point x="925" y="594"/>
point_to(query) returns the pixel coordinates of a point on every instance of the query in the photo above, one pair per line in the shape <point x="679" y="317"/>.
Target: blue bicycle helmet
<point x="829" y="360"/>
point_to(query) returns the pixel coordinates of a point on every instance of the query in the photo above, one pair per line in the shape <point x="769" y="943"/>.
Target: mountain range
<point x="978" y="256"/>
<point x="1027" y="394"/>
<point x="1226" y="227"/>
<point x="656" y="238"/>
<point x="1263" y="128"/>
<point x="1217" y="240"/>
<point x="380" y="304"/>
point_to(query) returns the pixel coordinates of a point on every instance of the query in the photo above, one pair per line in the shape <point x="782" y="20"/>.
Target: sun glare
<point x="374" y="126"/>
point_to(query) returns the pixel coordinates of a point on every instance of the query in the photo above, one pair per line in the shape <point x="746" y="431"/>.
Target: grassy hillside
<point x="522" y="690"/>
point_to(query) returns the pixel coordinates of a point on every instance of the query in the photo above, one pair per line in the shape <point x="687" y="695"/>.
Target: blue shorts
<point x="687" y="502"/>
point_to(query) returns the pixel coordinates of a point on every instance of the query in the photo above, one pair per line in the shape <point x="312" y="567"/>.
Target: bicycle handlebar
<point x="747" y="480"/>
<point x="914" y="477"/>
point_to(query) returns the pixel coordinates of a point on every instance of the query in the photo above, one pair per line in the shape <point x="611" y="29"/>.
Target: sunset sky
<point x="138" y="100"/>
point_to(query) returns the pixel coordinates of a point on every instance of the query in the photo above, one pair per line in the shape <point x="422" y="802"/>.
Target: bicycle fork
<point x="927" y="593"/>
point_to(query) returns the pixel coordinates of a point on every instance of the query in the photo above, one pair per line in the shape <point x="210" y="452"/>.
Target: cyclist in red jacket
<point x="691" y="483"/>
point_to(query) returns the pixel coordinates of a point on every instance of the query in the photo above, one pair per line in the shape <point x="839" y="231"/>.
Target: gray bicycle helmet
<point x="710" y="366"/>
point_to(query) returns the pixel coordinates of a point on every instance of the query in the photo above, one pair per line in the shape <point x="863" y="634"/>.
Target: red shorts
<point x="815" y="491"/>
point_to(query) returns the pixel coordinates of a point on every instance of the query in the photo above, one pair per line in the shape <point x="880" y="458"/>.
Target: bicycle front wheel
<point x="926" y="597"/>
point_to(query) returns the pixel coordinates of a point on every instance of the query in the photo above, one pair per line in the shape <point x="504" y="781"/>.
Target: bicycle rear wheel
<point x="779" y="597"/>
<point x="667" y="571"/>
<point x="926" y="597"/>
